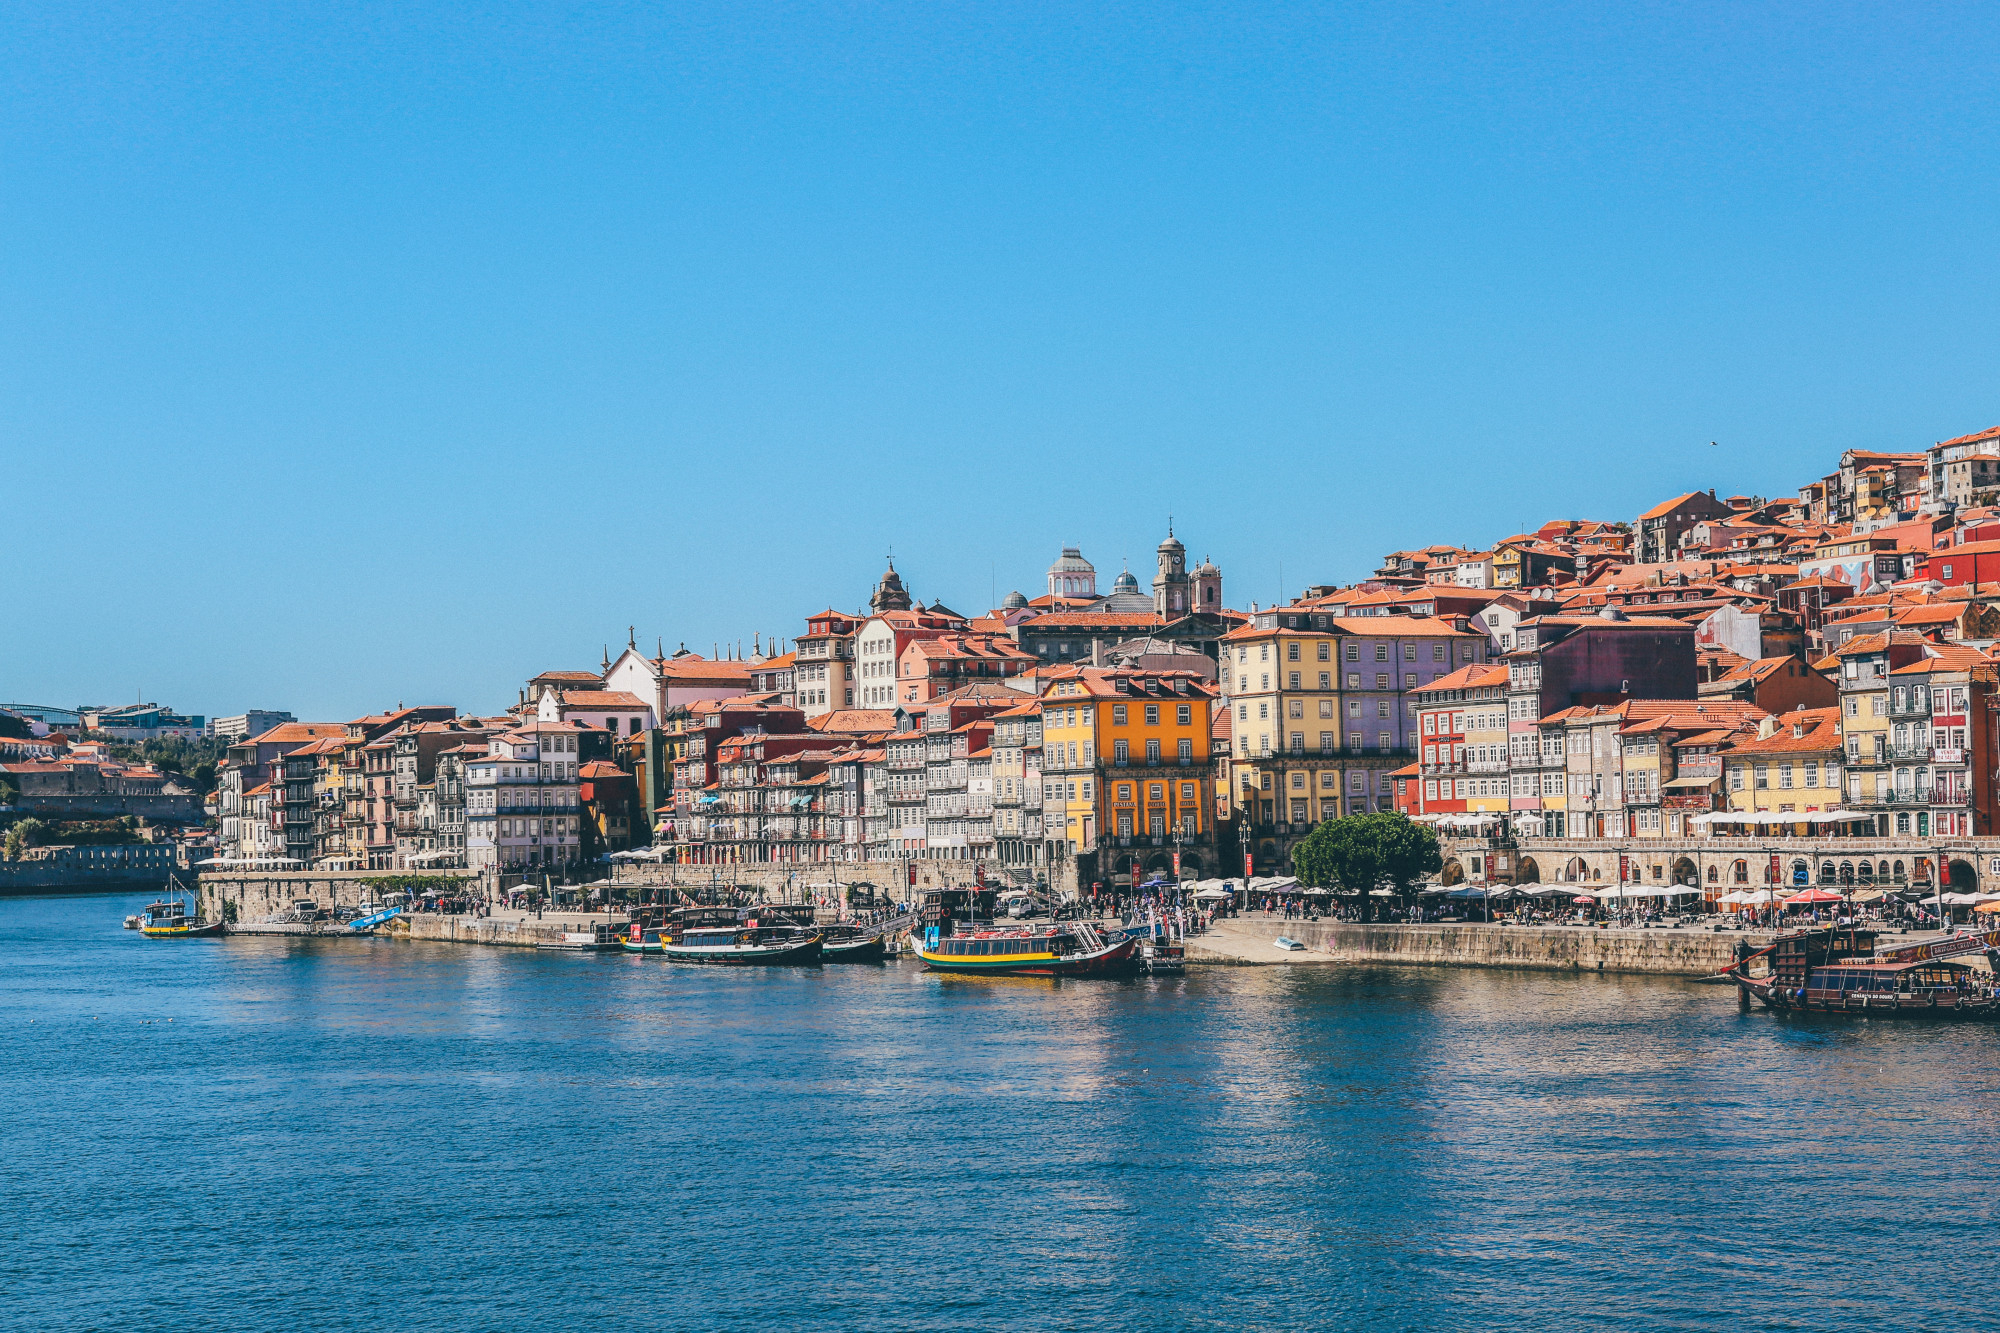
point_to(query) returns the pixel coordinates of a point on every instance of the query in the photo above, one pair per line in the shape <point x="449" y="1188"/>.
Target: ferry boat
<point x="1074" y="950"/>
<point x="1828" y="972"/>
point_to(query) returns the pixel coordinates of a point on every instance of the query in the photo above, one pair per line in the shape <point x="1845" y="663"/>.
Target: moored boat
<point x="1036" y="951"/>
<point x="852" y="944"/>
<point x="746" y="943"/>
<point x="1839" y="971"/>
<point x="173" y="918"/>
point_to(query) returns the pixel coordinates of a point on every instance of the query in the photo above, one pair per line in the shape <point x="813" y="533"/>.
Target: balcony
<point x="1910" y="796"/>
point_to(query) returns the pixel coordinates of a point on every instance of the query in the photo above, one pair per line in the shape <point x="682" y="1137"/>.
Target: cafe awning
<point x="1691" y="784"/>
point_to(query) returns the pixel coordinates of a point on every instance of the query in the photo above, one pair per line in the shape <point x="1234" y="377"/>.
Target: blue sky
<point x="364" y="353"/>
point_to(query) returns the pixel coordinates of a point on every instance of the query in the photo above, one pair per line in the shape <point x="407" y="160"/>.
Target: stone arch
<point x="1160" y="861"/>
<point x="1684" y="872"/>
<point x="1527" y="872"/>
<point x="1847" y="872"/>
<point x="1739" y="871"/>
<point x="1898" y="874"/>
<point x="1964" y="879"/>
<point x="1801" y="874"/>
<point x="1190" y="866"/>
<point x="1577" y="870"/>
<point x="1828" y="874"/>
<point x="1121" y="865"/>
<point x="1865" y="872"/>
<point x="1714" y="876"/>
<point x="1882" y="872"/>
<point x="1453" y="873"/>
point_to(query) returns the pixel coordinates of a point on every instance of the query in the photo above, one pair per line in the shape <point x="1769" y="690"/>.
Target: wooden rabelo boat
<point x="738" y="936"/>
<point x="1073" y="950"/>
<point x="1839" y="971"/>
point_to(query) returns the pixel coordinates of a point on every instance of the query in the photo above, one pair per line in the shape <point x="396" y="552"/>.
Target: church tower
<point x="1173" y="594"/>
<point x="890" y="594"/>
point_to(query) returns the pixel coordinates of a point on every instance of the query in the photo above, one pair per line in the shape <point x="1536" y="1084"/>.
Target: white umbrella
<point x="1209" y="894"/>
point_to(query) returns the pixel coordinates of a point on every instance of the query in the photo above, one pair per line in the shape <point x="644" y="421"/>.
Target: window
<point x="1243" y="712"/>
<point x="1381" y="652"/>
<point x="1152" y="715"/>
<point x="1118" y="715"/>
<point x="1292" y="681"/>
<point x="1298" y="782"/>
<point x="1326" y="708"/>
<point x="1761" y="776"/>
<point x="1784" y="777"/>
<point x="1298" y="740"/>
<point x="1291" y="652"/>
<point x="1437" y="652"/>
<point x="1187" y="791"/>
<point x="1185" y="749"/>
<point x="1354" y="652"/>
<point x="1153" y="750"/>
<point x="1323" y="651"/>
<point x="1184" y="714"/>
<point x="1381" y="680"/>
<point x="1326" y="680"/>
<point x="1409" y="652"/>
<point x="1354" y="708"/>
<point x="1263" y="710"/>
<point x="1326" y="740"/>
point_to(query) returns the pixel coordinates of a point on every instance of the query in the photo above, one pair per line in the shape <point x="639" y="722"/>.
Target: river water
<point x="372" y="1134"/>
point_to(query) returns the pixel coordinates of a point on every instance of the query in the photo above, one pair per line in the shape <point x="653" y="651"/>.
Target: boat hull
<point x="1872" y="1004"/>
<point x="181" y="932"/>
<point x="1115" y="960"/>
<point x="805" y="951"/>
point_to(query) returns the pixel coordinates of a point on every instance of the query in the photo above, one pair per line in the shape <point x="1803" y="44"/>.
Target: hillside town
<point x="1814" y="666"/>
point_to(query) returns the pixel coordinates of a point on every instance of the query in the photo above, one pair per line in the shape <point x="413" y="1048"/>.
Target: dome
<point x="1172" y="543"/>
<point x="1071" y="561"/>
<point x="1206" y="567"/>
<point x="1125" y="582"/>
<point x="1013" y="601"/>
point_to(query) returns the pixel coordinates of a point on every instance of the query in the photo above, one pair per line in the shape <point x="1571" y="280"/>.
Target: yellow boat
<point x="171" y="919"/>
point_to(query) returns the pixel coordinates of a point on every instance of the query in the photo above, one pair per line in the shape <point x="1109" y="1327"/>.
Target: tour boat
<point x="852" y="944"/>
<point x="741" y="944"/>
<point x="165" y="921"/>
<point x="173" y="918"/>
<point x="642" y="938"/>
<point x="1826" y="972"/>
<point x="1163" y="958"/>
<point x="1037" y="951"/>
<point x="1288" y="944"/>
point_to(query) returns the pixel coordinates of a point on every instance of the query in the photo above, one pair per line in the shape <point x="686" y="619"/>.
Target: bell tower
<point x="1173" y="595"/>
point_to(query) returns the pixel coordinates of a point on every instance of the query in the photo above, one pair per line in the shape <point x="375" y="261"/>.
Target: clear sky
<point x="374" y="352"/>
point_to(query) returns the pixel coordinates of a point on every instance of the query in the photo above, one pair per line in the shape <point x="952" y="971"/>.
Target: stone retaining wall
<point x="1685" y="953"/>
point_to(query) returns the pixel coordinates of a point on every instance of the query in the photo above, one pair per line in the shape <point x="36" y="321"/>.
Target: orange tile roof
<point x="1668" y="506"/>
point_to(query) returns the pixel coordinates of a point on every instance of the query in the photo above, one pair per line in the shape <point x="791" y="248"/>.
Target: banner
<point x="1249" y="866"/>
<point x="1177" y="865"/>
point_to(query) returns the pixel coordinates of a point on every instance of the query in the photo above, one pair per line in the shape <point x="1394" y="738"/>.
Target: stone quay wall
<point x="270" y="892"/>
<point x="890" y="878"/>
<point x="481" y="930"/>
<point x="1666" y="952"/>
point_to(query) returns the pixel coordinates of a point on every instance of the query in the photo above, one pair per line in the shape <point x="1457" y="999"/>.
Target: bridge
<point x="1722" y="864"/>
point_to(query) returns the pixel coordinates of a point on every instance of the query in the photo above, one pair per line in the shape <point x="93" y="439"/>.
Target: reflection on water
<point x="367" y="1134"/>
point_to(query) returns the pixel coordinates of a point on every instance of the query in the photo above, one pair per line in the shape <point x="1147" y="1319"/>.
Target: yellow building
<point x="1126" y="763"/>
<point x="1861" y="668"/>
<point x="1323" y="711"/>
<point x="1792" y="762"/>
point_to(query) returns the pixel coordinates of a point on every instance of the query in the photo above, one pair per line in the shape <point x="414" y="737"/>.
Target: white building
<point x="521" y="807"/>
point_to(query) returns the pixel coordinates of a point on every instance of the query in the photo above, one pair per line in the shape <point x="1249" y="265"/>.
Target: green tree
<point x="25" y="833"/>
<point x="1359" y="853"/>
